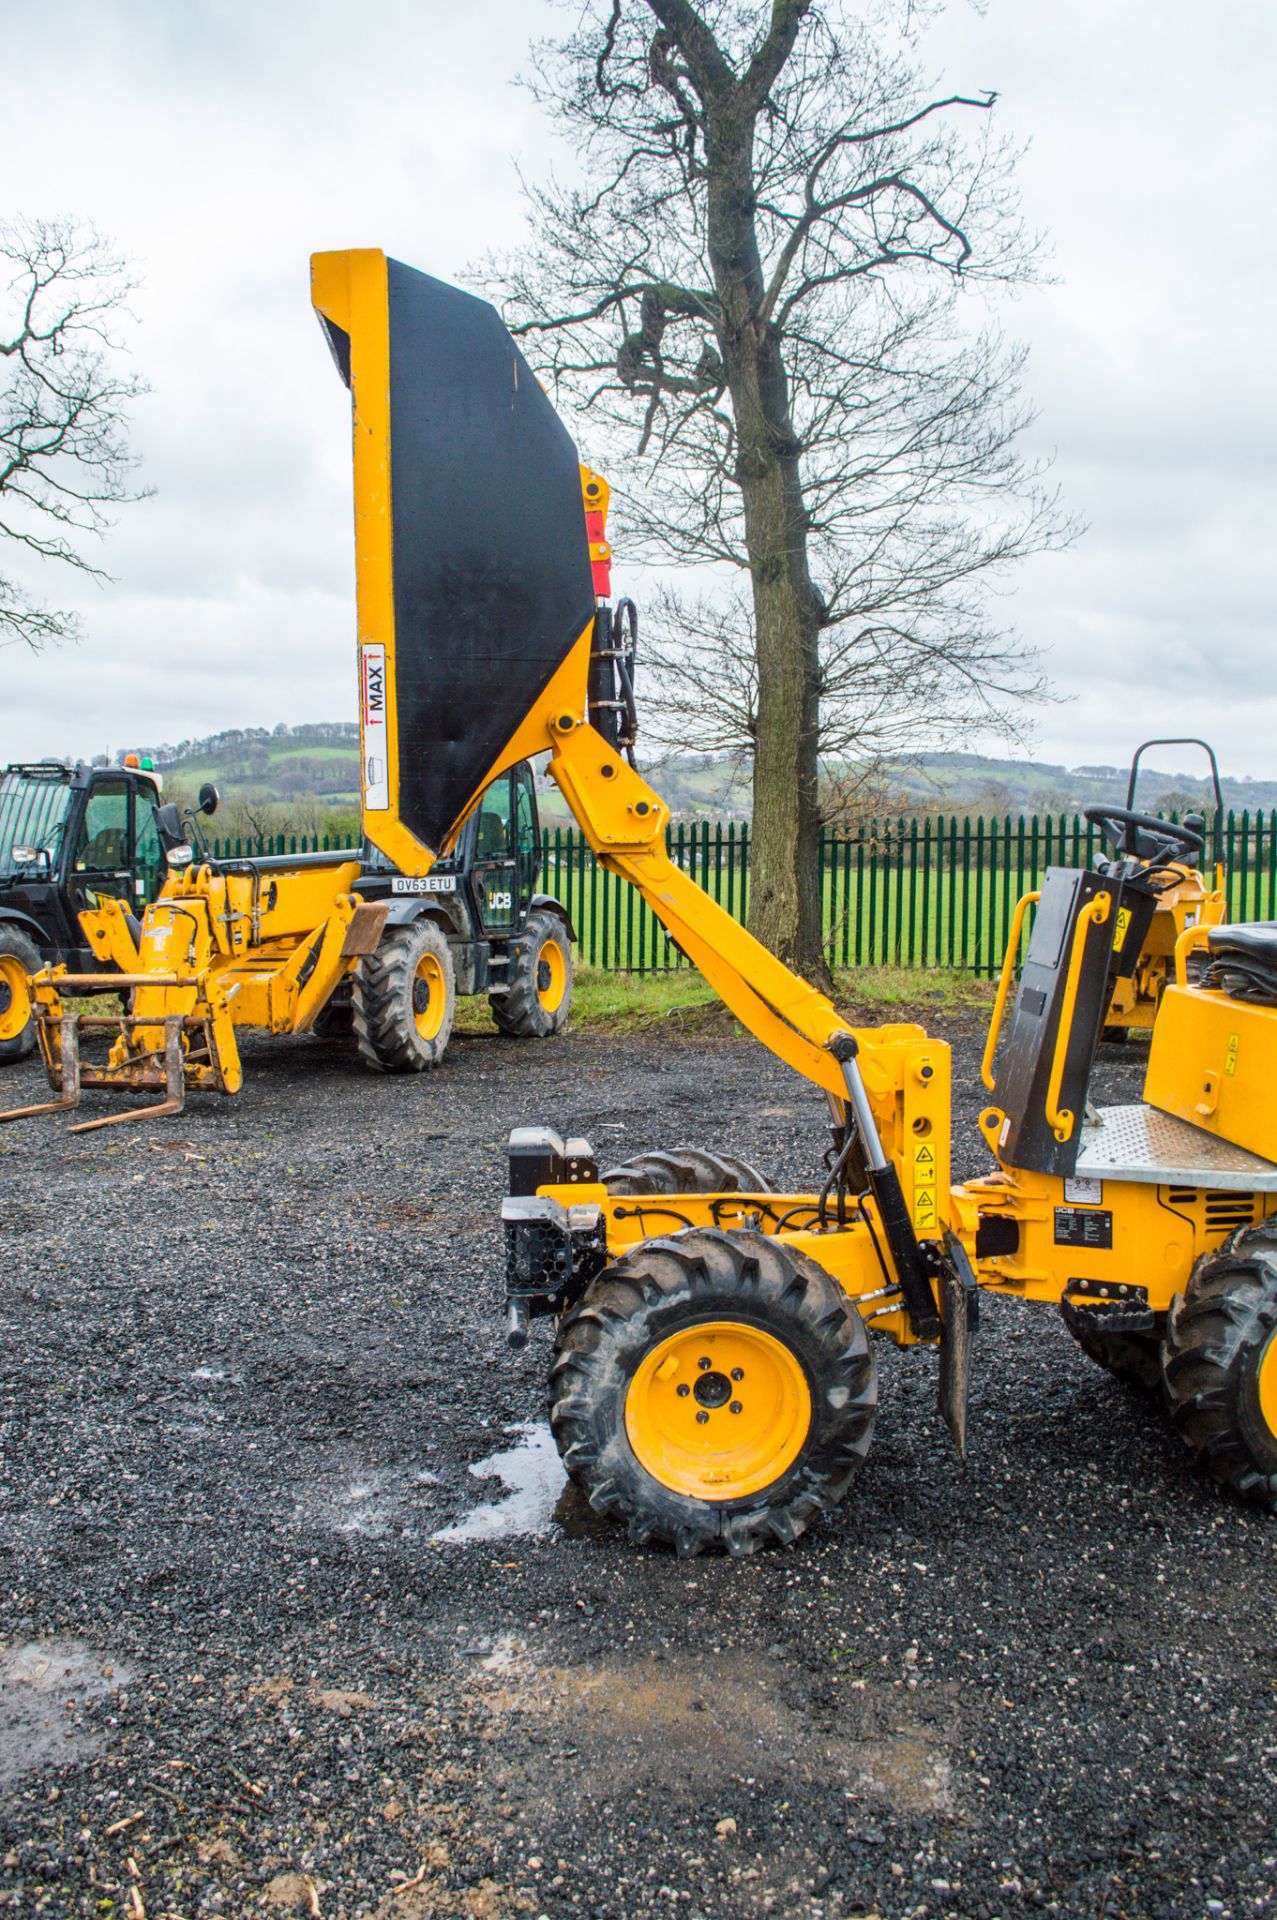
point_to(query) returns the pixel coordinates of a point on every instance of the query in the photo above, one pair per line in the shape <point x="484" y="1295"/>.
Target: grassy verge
<point x="623" y="1002"/>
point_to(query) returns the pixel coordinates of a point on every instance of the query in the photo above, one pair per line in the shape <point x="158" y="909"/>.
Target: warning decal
<point x="925" y="1217"/>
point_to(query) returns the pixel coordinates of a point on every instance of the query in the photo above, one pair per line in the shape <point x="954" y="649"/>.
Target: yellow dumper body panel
<point x="1213" y="1062"/>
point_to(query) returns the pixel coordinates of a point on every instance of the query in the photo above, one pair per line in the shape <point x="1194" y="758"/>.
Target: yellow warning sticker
<point x="1119" y="931"/>
<point x="924" y="1208"/>
<point x="924" y="1186"/>
<point x="1230" y="1056"/>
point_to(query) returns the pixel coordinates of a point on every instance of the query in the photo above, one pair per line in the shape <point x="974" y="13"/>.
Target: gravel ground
<point x="251" y="1359"/>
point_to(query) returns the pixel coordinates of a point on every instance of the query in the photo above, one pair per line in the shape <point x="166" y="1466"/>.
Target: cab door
<point x="101" y="855"/>
<point x="149" y="867"/>
<point x="495" y="876"/>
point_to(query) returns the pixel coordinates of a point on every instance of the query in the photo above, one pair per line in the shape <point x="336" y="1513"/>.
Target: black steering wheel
<point x="1145" y="835"/>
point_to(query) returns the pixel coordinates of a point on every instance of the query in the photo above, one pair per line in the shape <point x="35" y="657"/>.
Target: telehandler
<point x="712" y="1382"/>
<point x="343" y="942"/>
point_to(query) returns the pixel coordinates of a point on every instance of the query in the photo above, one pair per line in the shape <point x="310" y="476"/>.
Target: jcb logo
<point x="500" y="902"/>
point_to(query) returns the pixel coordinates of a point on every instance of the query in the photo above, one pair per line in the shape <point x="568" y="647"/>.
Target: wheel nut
<point x="735" y="1407"/>
<point x="701" y="1418"/>
<point x="683" y="1390"/>
<point x="738" y="1373"/>
<point x="703" y="1363"/>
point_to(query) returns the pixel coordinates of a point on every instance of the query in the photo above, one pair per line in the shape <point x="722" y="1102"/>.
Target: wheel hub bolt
<point x="701" y="1418"/>
<point x="738" y="1373"/>
<point x="683" y="1390"/>
<point x="735" y="1407"/>
<point x="704" y="1363"/>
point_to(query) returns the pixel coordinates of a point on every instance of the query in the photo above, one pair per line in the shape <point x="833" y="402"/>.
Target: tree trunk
<point x="784" y="902"/>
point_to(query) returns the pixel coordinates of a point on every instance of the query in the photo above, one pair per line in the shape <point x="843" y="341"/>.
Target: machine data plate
<point x="1139" y="1143"/>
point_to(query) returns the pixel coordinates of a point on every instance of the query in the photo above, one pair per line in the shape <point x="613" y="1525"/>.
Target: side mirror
<point x="168" y="824"/>
<point x="209" y="798"/>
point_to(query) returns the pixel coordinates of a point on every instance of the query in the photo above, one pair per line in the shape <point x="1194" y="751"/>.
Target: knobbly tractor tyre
<point x="19" y="956"/>
<point x="1219" y="1364"/>
<point x="404" y="998"/>
<point x="713" y="1390"/>
<point x="1134" y="1358"/>
<point x="685" y="1170"/>
<point x="538" y="998"/>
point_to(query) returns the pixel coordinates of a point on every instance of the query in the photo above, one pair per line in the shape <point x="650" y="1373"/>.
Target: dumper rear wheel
<point x="713" y="1390"/>
<point x="19" y="957"/>
<point x="1219" y="1363"/>
<point x="538" y="997"/>
<point x="685" y="1170"/>
<point x="404" y="999"/>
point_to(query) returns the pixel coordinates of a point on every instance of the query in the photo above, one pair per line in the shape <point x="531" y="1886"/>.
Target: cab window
<point x="103" y="842"/>
<point x="149" y="869"/>
<point x="527" y="822"/>
<point x="492" y="836"/>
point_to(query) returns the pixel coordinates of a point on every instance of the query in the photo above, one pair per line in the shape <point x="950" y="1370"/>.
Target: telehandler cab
<point x="712" y="1382"/>
<point x="67" y="835"/>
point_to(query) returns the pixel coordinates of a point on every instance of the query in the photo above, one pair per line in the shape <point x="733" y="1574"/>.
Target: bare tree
<point x="64" y="456"/>
<point x="764" y="273"/>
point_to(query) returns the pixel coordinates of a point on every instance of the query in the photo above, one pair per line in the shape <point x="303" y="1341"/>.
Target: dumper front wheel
<point x="713" y="1390"/>
<point x="19" y="957"/>
<point x="1219" y="1363"/>
<point x="404" y="999"/>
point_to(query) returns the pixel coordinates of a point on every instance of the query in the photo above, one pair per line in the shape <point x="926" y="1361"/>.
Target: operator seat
<point x="1255" y="941"/>
<point x="1242" y="961"/>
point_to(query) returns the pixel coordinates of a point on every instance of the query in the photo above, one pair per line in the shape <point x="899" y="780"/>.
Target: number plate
<point x="430" y="883"/>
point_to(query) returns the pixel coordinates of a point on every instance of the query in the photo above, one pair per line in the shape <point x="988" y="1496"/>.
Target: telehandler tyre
<point x="19" y="956"/>
<point x="404" y="998"/>
<point x="538" y="999"/>
<point x="1219" y="1363"/>
<point x="684" y="1170"/>
<point x="713" y="1390"/>
<point x="1135" y="1358"/>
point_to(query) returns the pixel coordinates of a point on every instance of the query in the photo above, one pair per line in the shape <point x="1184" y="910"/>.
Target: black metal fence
<point x="934" y="891"/>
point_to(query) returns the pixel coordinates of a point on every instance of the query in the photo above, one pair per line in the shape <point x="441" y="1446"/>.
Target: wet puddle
<point x="43" y="1689"/>
<point x="539" y="1498"/>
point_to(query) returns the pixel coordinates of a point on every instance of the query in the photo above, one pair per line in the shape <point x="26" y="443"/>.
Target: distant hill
<point x="319" y="764"/>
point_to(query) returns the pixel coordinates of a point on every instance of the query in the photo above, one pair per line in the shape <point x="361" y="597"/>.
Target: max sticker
<point x="375" y="728"/>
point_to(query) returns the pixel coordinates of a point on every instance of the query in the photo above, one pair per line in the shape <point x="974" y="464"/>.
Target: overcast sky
<point x="220" y="143"/>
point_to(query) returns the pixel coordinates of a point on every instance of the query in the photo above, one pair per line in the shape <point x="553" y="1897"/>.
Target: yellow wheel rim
<point x="718" y="1411"/>
<point x="15" y="997"/>
<point x="552" y="976"/>
<point x="1268" y="1385"/>
<point x="429" y="996"/>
